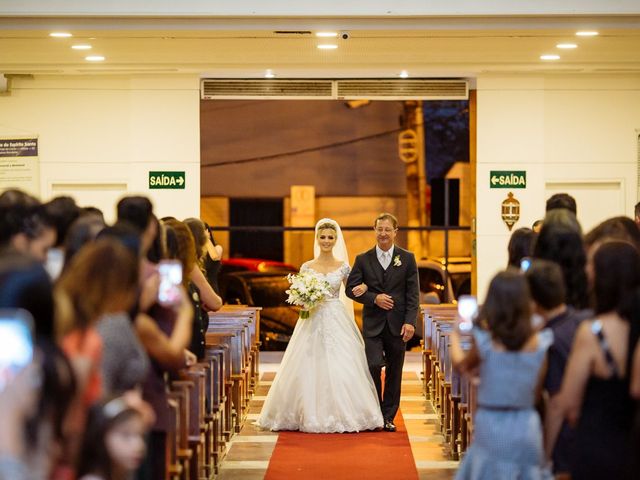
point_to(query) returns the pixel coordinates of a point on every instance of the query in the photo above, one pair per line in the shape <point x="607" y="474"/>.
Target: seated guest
<point x="509" y="353"/>
<point x="595" y="390"/>
<point x="548" y="295"/>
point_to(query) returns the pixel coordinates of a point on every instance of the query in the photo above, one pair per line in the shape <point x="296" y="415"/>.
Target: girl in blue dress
<point x="509" y="355"/>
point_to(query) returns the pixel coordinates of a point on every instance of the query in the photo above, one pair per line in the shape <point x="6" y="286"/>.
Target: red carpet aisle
<point x="370" y="455"/>
<point x="250" y="453"/>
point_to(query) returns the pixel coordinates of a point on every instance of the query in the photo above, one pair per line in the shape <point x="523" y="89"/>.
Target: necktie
<point x="386" y="260"/>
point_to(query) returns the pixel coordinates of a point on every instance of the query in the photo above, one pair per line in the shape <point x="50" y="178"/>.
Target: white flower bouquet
<point x="307" y="290"/>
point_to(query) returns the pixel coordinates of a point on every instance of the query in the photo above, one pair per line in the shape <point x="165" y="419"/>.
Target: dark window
<point x="256" y="212"/>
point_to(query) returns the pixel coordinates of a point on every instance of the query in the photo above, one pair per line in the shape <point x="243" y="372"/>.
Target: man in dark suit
<point x="391" y="302"/>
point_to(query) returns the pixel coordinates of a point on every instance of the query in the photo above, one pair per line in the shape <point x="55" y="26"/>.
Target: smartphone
<point x="525" y="263"/>
<point x="16" y="343"/>
<point x="54" y="262"/>
<point x="467" y="312"/>
<point x="170" y="272"/>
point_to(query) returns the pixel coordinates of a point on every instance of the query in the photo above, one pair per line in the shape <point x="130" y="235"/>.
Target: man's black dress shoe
<point x="389" y="426"/>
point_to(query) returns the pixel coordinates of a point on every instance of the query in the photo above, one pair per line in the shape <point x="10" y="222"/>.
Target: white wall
<point x="579" y="132"/>
<point x="100" y="136"/>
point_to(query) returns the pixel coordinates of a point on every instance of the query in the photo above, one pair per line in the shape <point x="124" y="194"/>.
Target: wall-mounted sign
<point x="510" y="210"/>
<point x="19" y="164"/>
<point x="167" y="180"/>
<point x="507" y="179"/>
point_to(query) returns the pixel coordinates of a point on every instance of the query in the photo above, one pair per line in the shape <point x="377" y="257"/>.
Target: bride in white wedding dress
<point x="323" y="384"/>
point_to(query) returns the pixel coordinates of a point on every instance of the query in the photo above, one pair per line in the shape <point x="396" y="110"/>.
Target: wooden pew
<point x="428" y="313"/>
<point x="180" y="451"/>
<point x="253" y="314"/>
<point x="232" y="336"/>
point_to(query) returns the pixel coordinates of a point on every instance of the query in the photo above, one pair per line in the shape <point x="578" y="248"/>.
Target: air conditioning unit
<point x="347" y="89"/>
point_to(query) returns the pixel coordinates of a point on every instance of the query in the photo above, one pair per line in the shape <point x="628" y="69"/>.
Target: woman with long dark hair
<point x="595" y="390"/>
<point x="560" y="241"/>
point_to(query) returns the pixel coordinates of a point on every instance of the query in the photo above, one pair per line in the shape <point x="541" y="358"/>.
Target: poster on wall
<point x="19" y="165"/>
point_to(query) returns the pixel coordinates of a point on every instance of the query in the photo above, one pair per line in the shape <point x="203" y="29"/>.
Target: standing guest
<point x="560" y="241"/>
<point x="25" y="225"/>
<point x="616" y="228"/>
<point x="114" y="445"/>
<point x="124" y="362"/>
<point x="595" y="390"/>
<point x="562" y="200"/>
<point x="63" y="211"/>
<point x="100" y="279"/>
<point x="537" y="226"/>
<point x="25" y="284"/>
<point x="211" y="301"/>
<point x="212" y="260"/>
<point x="165" y="334"/>
<point x="138" y="211"/>
<point x="520" y="246"/>
<point x="84" y="230"/>
<point x="548" y="294"/>
<point x="186" y="253"/>
<point x="510" y="354"/>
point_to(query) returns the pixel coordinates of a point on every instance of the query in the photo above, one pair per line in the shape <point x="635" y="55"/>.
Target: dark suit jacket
<point x="400" y="282"/>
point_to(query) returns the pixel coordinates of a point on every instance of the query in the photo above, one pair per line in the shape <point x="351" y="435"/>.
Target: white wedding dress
<point x="324" y="384"/>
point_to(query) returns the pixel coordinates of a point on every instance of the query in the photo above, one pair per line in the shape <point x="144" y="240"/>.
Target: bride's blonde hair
<point x="327" y="225"/>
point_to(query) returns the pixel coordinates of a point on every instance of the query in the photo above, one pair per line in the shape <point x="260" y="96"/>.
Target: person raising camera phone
<point x="510" y="355"/>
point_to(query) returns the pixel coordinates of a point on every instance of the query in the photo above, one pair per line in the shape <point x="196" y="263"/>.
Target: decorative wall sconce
<point x="510" y="210"/>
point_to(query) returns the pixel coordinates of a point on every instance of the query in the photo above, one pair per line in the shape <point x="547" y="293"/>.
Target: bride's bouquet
<point x="307" y="290"/>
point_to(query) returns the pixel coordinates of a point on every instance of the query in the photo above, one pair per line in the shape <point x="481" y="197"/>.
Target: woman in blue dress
<point x="509" y="355"/>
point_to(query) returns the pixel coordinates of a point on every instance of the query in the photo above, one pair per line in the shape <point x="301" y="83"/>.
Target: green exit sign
<point x="507" y="179"/>
<point x="169" y="180"/>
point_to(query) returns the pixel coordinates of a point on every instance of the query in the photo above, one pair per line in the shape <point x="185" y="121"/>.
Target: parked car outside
<point x="266" y="290"/>
<point x="438" y="287"/>
<point x="232" y="265"/>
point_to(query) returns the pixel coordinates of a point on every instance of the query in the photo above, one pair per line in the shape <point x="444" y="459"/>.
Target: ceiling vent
<point x="371" y="89"/>
<point x="247" y="89"/>
<point x="414" y="89"/>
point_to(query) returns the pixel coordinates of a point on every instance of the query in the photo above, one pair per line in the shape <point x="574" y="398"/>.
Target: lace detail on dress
<point x="335" y="277"/>
<point x="313" y="424"/>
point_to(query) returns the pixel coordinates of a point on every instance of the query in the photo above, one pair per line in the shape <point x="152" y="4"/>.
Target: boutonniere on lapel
<point x="396" y="261"/>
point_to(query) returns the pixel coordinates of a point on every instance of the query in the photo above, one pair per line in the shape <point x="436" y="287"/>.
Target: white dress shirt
<point x="384" y="257"/>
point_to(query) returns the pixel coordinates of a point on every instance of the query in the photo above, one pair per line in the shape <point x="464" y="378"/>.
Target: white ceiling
<point x="245" y="48"/>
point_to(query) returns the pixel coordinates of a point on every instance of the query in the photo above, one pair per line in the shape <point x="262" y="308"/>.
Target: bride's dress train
<point x="324" y="384"/>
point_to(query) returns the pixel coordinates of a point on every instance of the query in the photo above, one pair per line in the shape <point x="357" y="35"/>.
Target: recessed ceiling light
<point x="550" y="57"/>
<point x="269" y="74"/>
<point x="567" y="46"/>
<point x="327" y="46"/>
<point x="81" y="47"/>
<point x="404" y="74"/>
<point x="60" y="34"/>
<point x="94" y="58"/>
<point x="587" y="33"/>
<point x="327" y="34"/>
